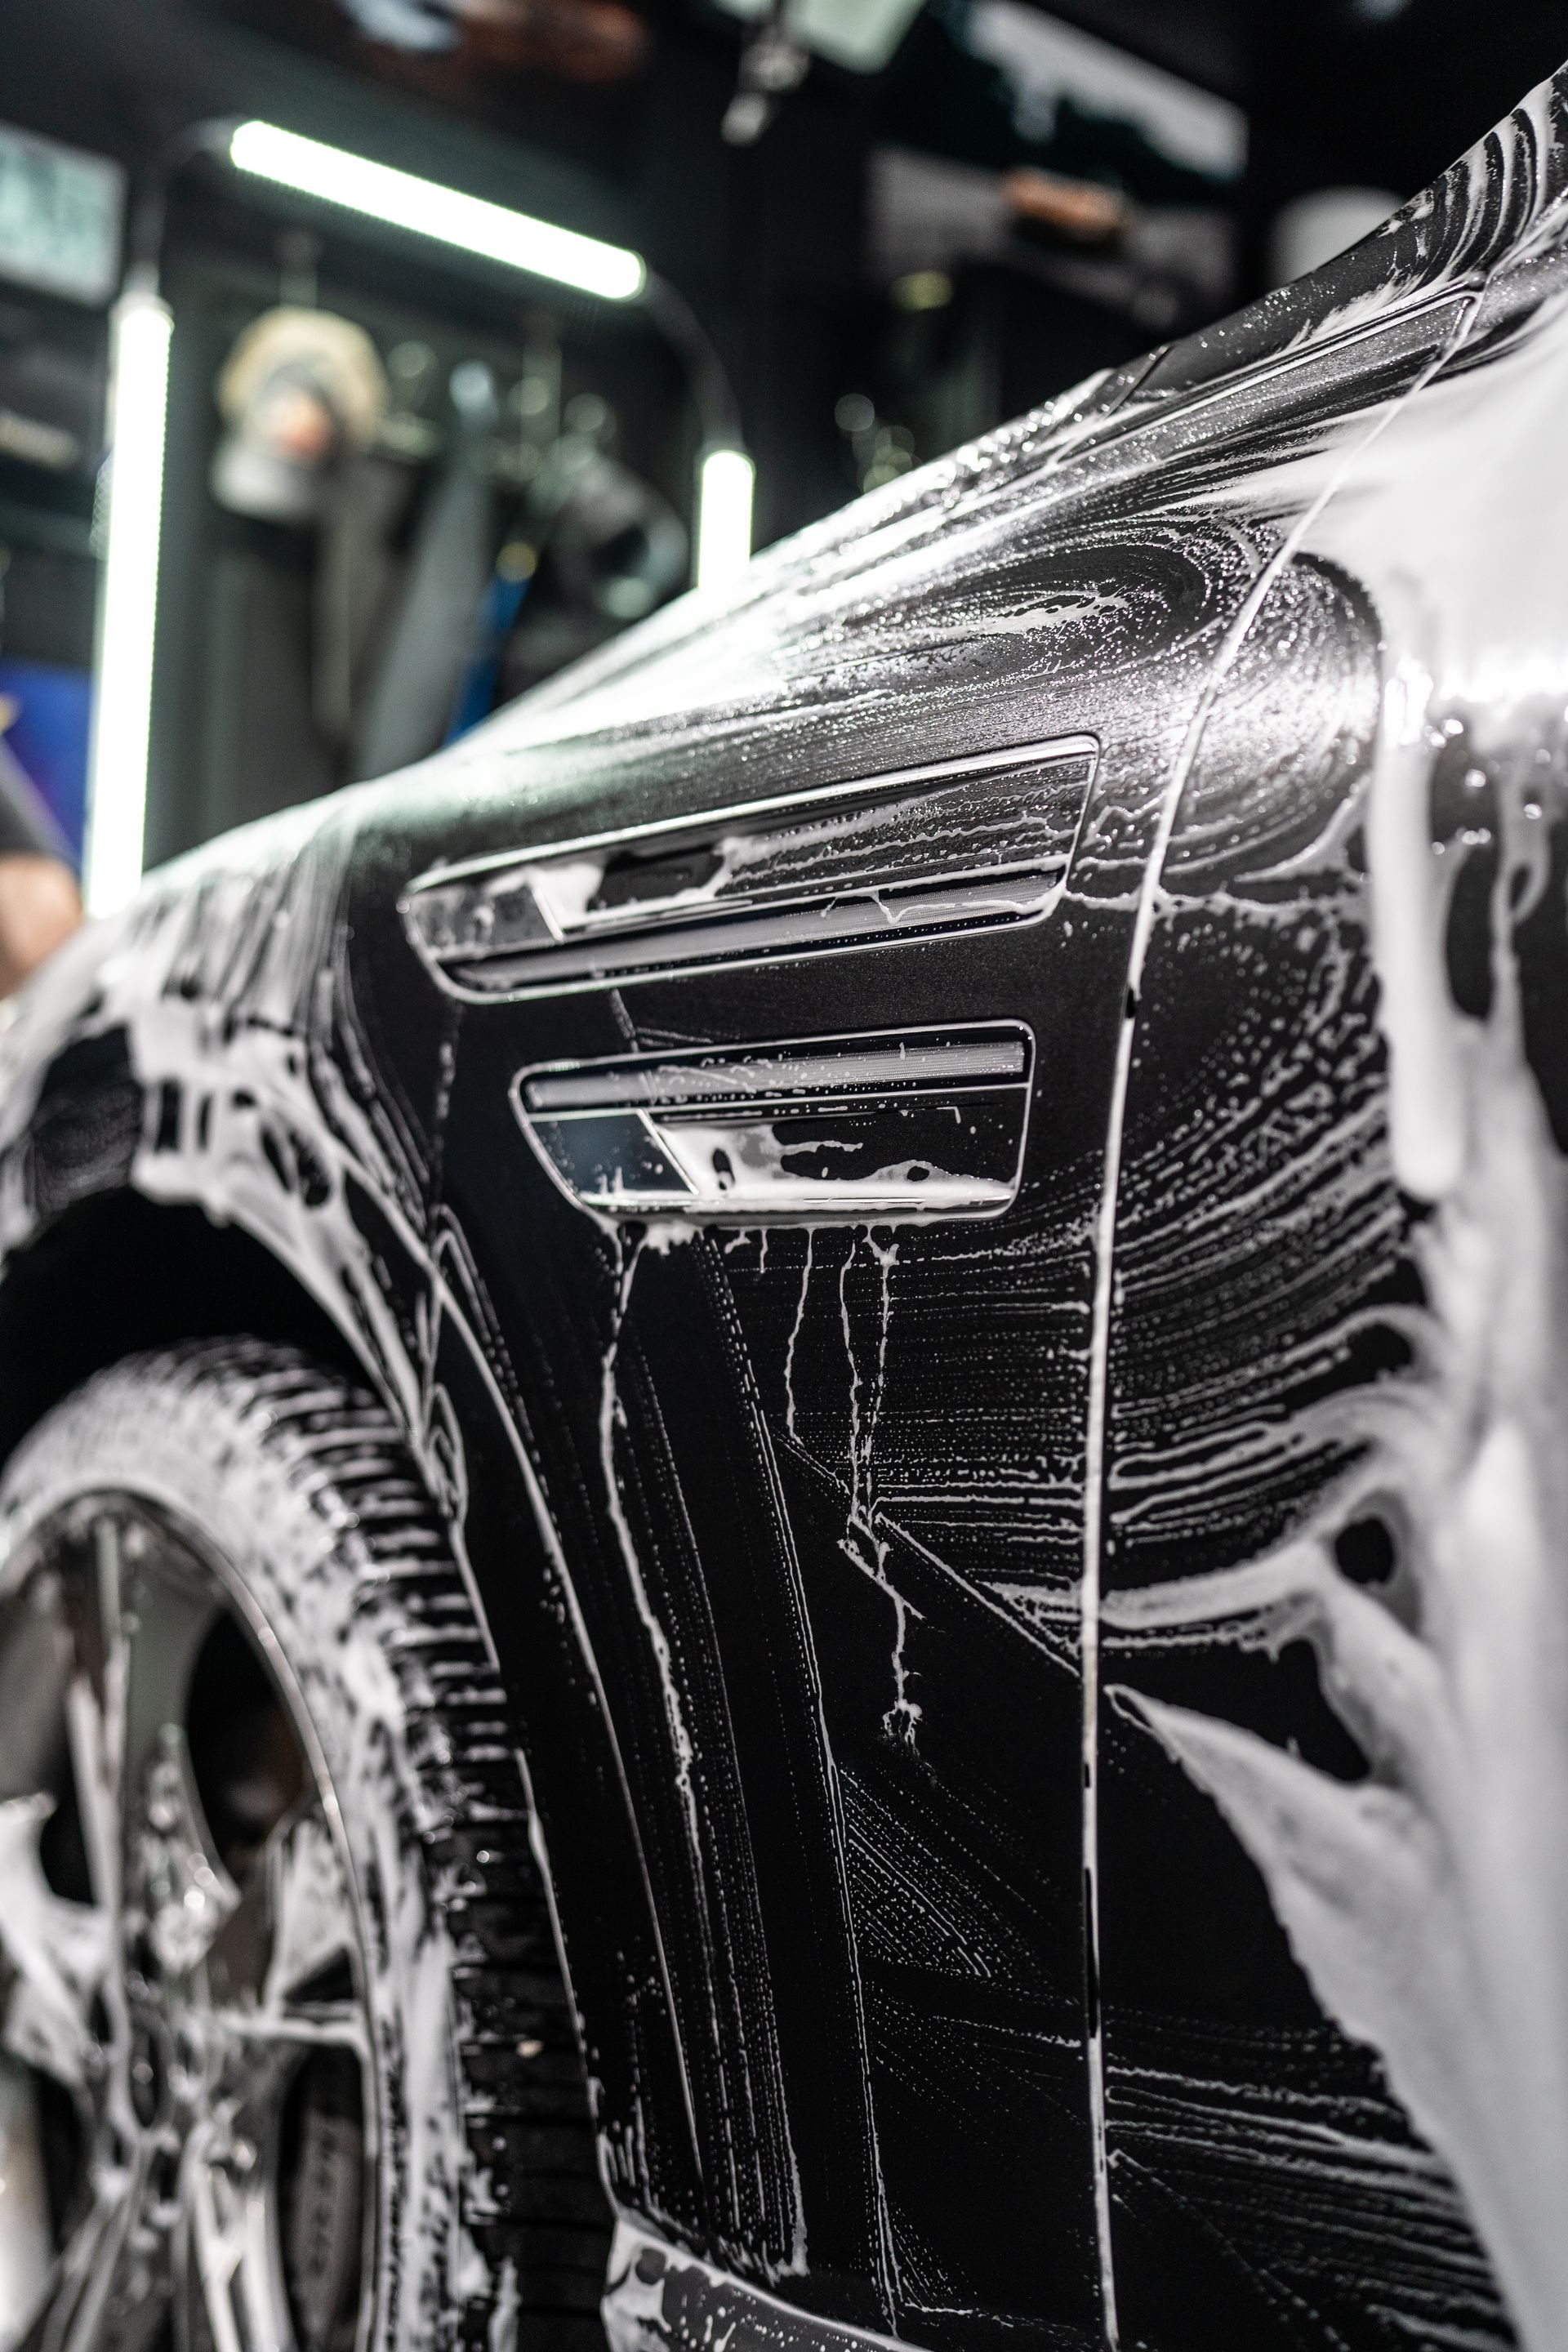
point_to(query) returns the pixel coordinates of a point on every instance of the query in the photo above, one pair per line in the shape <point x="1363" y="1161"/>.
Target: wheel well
<point x="115" y="1272"/>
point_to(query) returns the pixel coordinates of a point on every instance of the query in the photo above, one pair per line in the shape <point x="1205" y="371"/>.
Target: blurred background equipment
<point x="300" y="394"/>
<point x="448" y="566"/>
<point x="450" y="336"/>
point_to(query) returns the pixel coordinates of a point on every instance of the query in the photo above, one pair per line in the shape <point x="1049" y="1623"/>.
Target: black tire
<point x="492" y="2227"/>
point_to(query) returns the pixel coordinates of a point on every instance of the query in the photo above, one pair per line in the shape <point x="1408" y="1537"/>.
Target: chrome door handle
<point x="879" y="1129"/>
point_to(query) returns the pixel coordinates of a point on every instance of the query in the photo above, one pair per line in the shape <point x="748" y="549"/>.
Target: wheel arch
<point x="116" y="1272"/>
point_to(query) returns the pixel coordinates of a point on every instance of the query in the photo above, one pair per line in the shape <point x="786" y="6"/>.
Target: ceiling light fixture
<point x="404" y="201"/>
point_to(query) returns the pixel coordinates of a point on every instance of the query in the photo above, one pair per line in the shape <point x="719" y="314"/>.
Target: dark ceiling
<point x="1205" y="41"/>
<point x="1387" y="92"/>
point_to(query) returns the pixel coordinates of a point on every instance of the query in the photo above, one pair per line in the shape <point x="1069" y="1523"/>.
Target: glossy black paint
<point x="923" y="1991"/>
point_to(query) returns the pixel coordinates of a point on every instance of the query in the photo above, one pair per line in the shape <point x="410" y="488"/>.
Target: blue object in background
<point x="476" y="695"/>
<point x="48" y="737"/>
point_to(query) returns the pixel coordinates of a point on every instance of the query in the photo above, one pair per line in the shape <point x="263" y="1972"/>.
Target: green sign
<point x="60" y="217"/>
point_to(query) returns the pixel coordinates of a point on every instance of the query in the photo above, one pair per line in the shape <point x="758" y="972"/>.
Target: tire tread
<point x="544" y="2218"/>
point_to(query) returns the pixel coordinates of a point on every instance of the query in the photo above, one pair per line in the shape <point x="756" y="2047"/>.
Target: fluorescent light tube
<point x="404" y="201"/>
<point x="123" y="692"/>
<point x="725" y="483"/>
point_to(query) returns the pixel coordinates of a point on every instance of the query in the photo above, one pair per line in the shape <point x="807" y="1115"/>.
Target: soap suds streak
<point x="862" y="1543"/>
<point x="795" y="1329"/>
<point x="658" y="1640"/>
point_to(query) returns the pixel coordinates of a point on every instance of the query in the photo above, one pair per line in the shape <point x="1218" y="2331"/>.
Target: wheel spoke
<point x="176" y="1885"/>
<point x="113" y="2282"/>
<point x="59" y="1954"/>
<point x="294" y="1926"/>
<point x="293" y="1937"/>
<point x="164" y="1617"/>
<point x="183" y="1890"/>
<point x="233" y="2251"/>
<point x="95" y="1718"/>
<point x="312" y="1910"/>
<point x="321" y="2025"/>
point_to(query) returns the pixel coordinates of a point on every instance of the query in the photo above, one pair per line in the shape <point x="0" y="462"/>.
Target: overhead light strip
<point x="404" y="201"/>
<point x="122" y="697"/>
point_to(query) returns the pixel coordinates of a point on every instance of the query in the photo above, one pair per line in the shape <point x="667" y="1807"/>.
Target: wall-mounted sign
<point x="60" y="217"/>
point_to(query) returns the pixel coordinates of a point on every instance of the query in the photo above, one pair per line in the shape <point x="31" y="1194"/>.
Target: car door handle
<point x="877" y="1129"/>
<point x="962" y="845"/>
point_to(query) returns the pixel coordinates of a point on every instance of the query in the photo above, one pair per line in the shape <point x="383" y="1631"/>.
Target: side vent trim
<point x="964" y="845"/>
<point x="887" y="1129"/>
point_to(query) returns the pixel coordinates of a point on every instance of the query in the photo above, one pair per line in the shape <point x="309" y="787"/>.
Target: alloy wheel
<point x="186" y="2097"/>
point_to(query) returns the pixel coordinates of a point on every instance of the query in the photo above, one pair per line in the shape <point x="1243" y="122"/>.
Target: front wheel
<point x="286" y="2062"/>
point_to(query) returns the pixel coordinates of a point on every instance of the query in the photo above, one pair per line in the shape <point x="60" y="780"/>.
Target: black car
<point x="786" y="1513"/>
